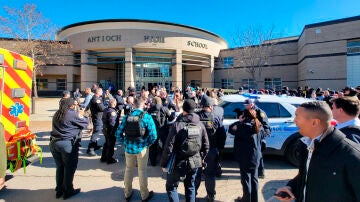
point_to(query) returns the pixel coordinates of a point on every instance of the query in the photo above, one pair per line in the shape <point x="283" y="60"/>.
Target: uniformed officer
<point x="119" y="101"/>
<point x="96" y="107"/>
<point x="111" y="122"/>
<point x="167" y="102"/>
<point x="66" y="127"/>
<point x="212" y="122"/>
<point x="265" y="132"/>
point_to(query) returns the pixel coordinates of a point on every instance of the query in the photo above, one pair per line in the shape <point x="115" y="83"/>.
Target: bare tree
<point x="255" y="50"/>
<point x="33" y="34"/>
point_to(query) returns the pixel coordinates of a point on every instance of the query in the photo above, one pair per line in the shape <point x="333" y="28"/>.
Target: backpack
<point x="190" y="139"/>
<point x="159" y="118"/>
<point x="133" y="129"/>
<point x="209" y="124"/>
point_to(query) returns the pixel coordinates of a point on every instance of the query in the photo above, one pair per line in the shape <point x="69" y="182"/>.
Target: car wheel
<point x="293" y="152"/>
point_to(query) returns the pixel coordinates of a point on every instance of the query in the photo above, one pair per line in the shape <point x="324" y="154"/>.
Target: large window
<point x="228" y="62"/>
<point x="227" y="83"/>
<point x="60" y="84"/>
<point x="42" y="84"/>
<point x="248" y="83"/>
<point x="353" y="63"/>
<point x="195" y="83"/>
<point x="271" y="83"/>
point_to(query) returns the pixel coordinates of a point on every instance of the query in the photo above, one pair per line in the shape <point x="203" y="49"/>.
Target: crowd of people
<point x="184" y="133"/>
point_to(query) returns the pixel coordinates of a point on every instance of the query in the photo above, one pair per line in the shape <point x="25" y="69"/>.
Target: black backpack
<point x="209" y="124"/>
<point x="190" y="139"/>
<point x="159" y="118"/>
<point x="133" y="129"/>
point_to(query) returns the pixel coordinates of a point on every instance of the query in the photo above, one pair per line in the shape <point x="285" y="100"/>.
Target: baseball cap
<point x="248" y="101"/>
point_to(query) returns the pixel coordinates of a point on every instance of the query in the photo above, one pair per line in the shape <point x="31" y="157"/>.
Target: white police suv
<point x="281" y="113"/>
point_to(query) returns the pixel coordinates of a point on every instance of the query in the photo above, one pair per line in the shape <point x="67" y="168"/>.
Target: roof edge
<point x="137" y="20"/>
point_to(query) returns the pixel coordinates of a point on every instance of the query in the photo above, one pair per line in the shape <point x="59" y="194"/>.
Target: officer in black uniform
<point x="96" y="107"/>
<point x="212" y="121"/>
<point x="120" y="101"/>
<point x="64" y="145"/>
<point x="265" y="132"/>
<point x="160" y="116"/>
<point x="167" y="102"/>
<point x="111" y="122"/>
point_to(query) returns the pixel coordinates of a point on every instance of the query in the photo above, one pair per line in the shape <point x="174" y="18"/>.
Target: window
<point x="42" y="84"/>
<point x="271" y="83"/>
<point x="353" y="47"/>
<point x="60" y="84"/>
<point x="195" y="83"/>
<point x="228" y="62"/>
<point x="248" y="83"/>
<point x="227" y="83"/>
<point x="274" y="110"/>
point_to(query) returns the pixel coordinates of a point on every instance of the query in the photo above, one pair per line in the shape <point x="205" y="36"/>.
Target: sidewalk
<point x="102" y="182"/>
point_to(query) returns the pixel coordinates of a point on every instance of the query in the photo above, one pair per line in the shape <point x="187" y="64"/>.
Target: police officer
<point x="96" y="107"/>
<point x="167" y="102"/>
<point x="120" y="101"/>
<point x="111" y="122"/>
<point x="160" y="115"/>
<point x="66" y="127"/>
<point x="265" y="132"/>
<point x="212" y="122"/>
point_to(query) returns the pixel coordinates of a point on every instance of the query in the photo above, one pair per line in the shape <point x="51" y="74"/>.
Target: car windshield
<point x="272" y="110"/>
<point x="229" y="109"/>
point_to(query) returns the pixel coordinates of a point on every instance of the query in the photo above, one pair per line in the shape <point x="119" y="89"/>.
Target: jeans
<point x="142" y="160"/>
<point x="172" y="183"/>
<point x="66" y="158"/>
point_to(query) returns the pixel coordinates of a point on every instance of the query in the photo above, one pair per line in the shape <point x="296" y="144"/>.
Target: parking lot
<point x="102" y="182"/>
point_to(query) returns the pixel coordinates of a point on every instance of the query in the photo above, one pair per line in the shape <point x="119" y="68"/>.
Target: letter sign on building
<point x="197" y="44"/>
<point x="103" y="38"/>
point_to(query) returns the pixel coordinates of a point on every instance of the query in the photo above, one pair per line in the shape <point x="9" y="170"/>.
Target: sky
<point x="225" y="18"/>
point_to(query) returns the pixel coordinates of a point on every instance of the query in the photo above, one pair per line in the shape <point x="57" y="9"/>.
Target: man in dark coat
<point x="346" y="111"/>
<point x="329" y="162"/>
<point x="265" y="132"/>
<point x="185" y="166"/>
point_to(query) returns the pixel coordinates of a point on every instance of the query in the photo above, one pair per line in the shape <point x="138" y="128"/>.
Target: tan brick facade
<point x="317" y="58"/>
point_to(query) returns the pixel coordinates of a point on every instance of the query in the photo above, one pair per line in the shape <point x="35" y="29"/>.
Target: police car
<point x="281" y="113"/>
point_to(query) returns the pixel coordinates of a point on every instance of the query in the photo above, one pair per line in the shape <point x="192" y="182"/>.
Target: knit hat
<point x="207" y="101"/>
<point x="189" y="106"/>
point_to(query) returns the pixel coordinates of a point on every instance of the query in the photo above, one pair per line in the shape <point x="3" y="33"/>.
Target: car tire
<point x="293" y="152"/>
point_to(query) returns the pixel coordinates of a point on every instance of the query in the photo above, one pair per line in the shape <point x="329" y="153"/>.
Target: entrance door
<point x="148" y="75"/>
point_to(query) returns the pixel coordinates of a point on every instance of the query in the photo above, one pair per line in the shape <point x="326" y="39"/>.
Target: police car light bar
<point x="251" y="96"/>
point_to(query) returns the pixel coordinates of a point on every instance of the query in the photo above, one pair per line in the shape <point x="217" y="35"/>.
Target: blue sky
<point x="225" y="18"/>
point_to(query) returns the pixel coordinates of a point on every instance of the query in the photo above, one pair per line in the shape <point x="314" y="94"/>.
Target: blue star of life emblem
<point x="16" y="109"/>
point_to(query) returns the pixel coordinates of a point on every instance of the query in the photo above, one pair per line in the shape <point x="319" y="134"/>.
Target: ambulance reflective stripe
<point x="16" y="78"/>
<point x="15" y="97"/>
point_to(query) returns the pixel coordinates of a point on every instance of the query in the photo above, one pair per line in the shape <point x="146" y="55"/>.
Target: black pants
<point x="154" y="151"/>
<point x="249" y="181"/>
<point x="108" y="147"/>
<point x="66" y="158"/>
<point x="212" y="162"/>
<point x="98" y="127"/>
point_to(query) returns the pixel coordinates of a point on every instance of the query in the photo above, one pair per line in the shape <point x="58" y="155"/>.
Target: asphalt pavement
<point x="101" y="182"/>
